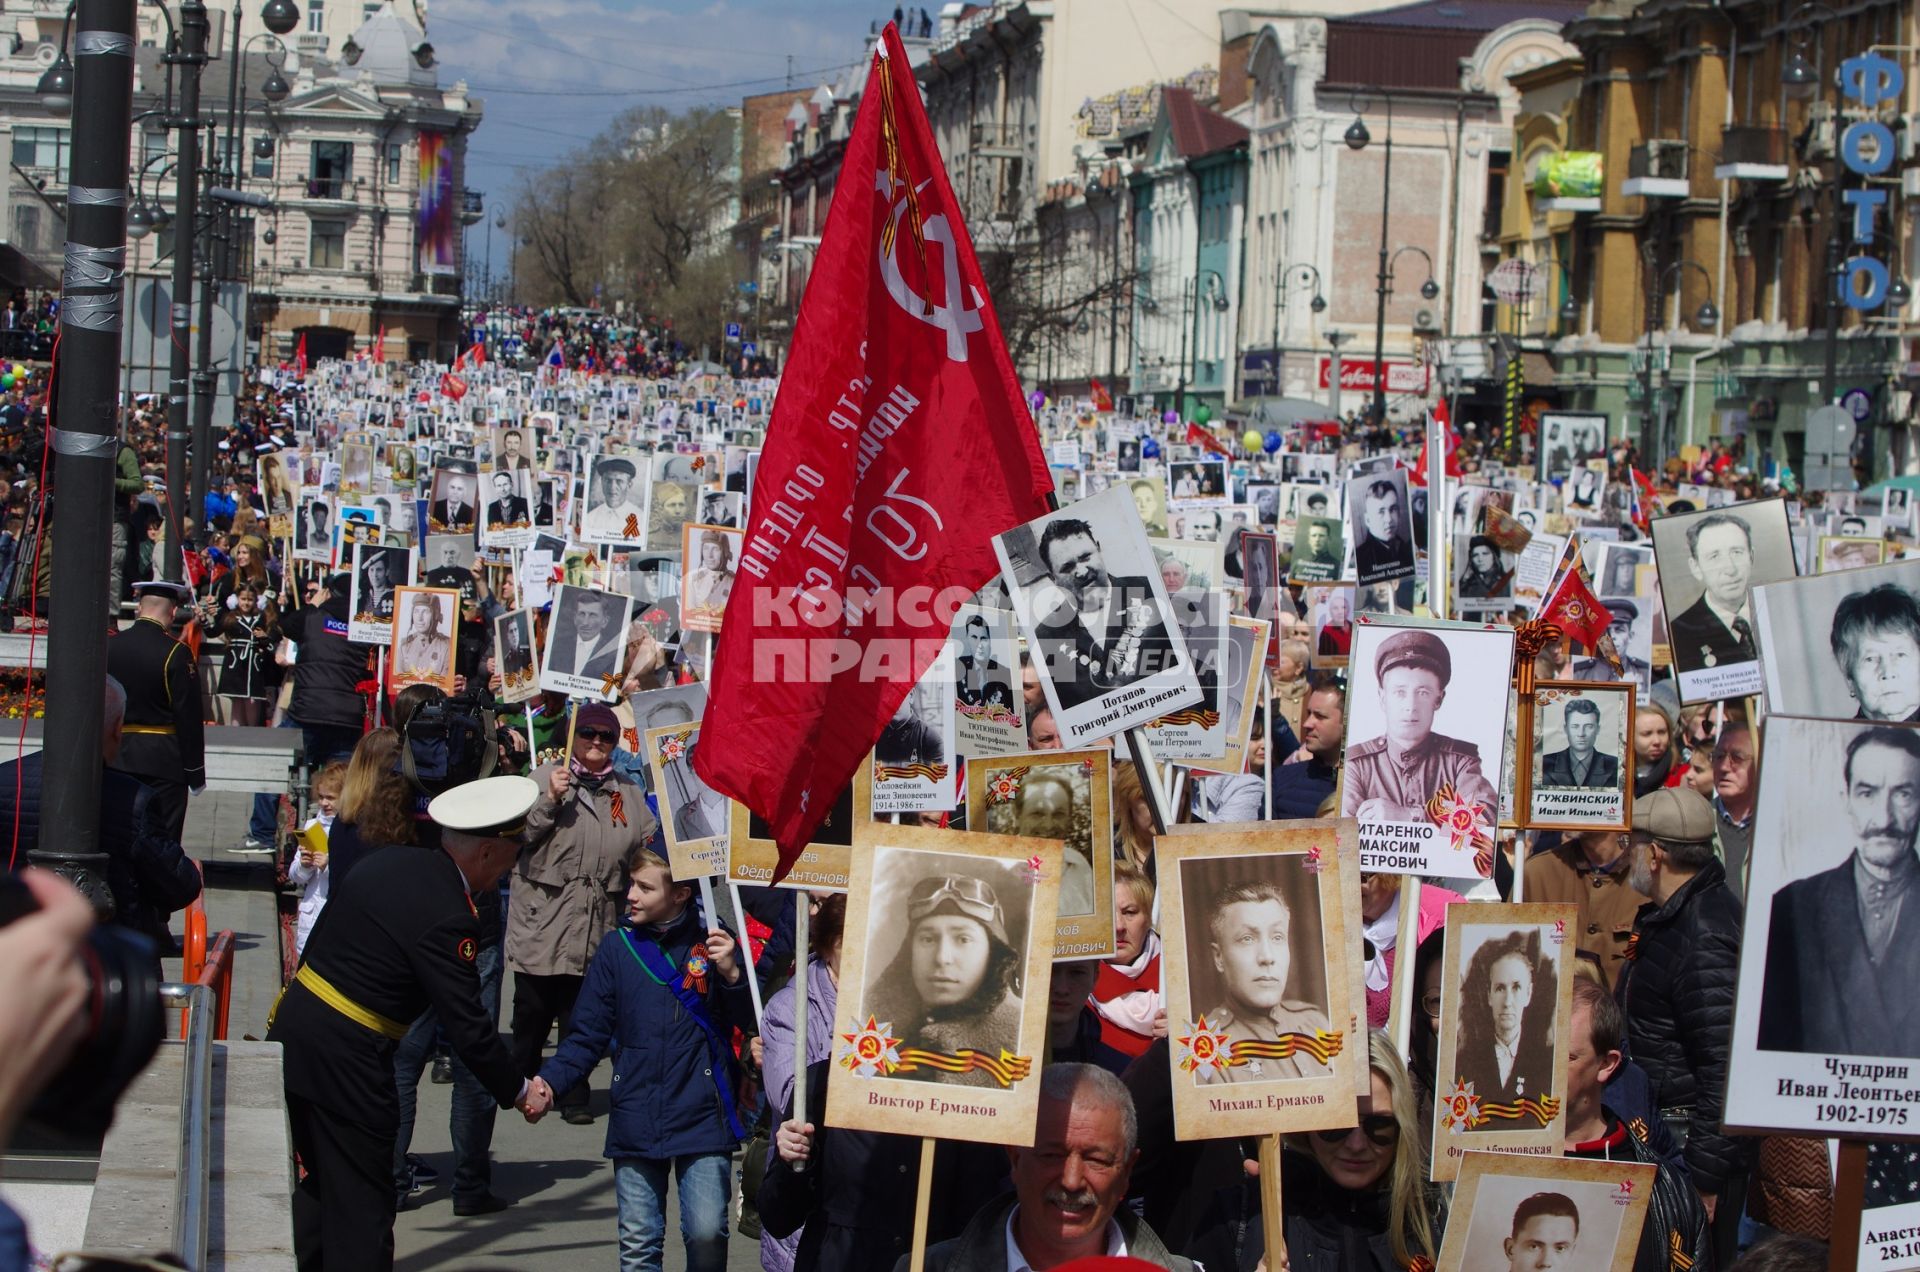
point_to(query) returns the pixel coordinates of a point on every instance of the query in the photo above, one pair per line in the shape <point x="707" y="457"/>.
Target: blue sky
<point x="553" y="73"/>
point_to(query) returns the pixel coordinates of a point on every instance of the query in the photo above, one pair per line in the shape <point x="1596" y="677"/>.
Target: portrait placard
<point x="506" y="518"/>
<point x="1710" y="562"/>
<point x="1839" y="646"/>
<point x="1506" y="1005"/>
<point x="1826" y="1026"/>
<point x="1318" y="550"/>
<point x="1426" y="734"/>
<point x="586" y="642"/>
<point x="941" y="1024"/>
<point x="914" y="761"/>
<point x="612" y="512"/>
<point x="1185" y="563"/>
<point x="709" y="553"/>
<point x="987" y="704"/>
<point x="423" y="633"/>
<point x="1377" y="508"/>
<point x="452" y="502"/>
<point x="1330" y="623"/>
<point x="1259" y="1011"/>
<point x="513" y="656"/>
<point x="513" y="450"/>
<point x="1580" y="775"/>
<point x="378" y="573"/>
<point x="1064" y="796"/>
<point x="1567" y="437"/>
<point x="1109" y="651"/>
<point x="1546" y="1212"/>
<point x="1837" y="552"/>
<point x="694" y="818"/>
<point x="1197" y="732"/>
<point x="1239" y="689"/>
<point x="753" y="856"/>
<point x="1150" y="501"/>
<point x="1198" y="481"/>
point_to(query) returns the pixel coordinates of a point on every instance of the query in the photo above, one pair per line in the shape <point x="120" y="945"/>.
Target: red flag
<point x="1574" y="609"/>
<point x="300" y="356"/>
<point x="1205" y="440"/>
<point x="899" y="446"/>
<point x="1452" y="446"/>
<point x="380" y="346"/>
<point x="1102" y="400"/>
<point x="459" y="362"/>
<point x="453" y="386"/>
<point x="478" y="353"/>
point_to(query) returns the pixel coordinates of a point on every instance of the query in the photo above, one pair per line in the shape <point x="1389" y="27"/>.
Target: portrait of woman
<point x="1336" y="634"/>
<point x="955" y="982"/>
<point x="1483" y="578"/>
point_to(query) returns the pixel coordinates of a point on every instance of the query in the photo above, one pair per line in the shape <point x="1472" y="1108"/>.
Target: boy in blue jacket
<point x="663" y="996"/>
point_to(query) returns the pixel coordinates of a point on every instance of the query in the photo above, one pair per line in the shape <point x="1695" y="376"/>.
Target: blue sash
<point x="656" y="964"/>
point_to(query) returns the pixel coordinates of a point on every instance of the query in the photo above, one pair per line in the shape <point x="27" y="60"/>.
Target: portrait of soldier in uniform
<point x="1392" y="776"/>
<point x="1251" y="943"/>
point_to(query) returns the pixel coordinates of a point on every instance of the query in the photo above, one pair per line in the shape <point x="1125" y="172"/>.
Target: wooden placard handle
<point x="1272" y="1226"/>
<point x="922" y="1200"/>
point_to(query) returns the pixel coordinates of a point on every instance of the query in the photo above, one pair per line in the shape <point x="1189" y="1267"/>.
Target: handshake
<point x="536" y="1100"/>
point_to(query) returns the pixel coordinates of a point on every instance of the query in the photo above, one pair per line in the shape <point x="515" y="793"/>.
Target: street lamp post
<point x="1707" y="317"/>
<point x="1357" y="138"/>
<point x="83" y="433"/>
<point x="1191" y="327"/>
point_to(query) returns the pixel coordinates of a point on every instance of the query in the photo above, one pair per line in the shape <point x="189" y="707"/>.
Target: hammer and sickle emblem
<point x="954" y="317"/>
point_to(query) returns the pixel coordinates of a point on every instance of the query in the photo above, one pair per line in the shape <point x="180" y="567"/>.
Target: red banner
<point x="1402" y="377"/>
<point x="899" y="445"/>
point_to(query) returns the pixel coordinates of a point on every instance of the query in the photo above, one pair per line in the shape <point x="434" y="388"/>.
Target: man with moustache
<point x="1843" y="946"/>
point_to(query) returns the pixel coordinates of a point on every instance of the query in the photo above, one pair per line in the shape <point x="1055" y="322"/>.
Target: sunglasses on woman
<point x="596" y="735"/>
<point x="1382" y="1128"/>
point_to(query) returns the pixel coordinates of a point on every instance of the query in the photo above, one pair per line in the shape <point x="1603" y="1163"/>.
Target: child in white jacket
<point x="309" y="865"/>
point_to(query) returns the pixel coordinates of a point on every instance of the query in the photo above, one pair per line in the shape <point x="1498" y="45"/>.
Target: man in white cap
<point x="398" y="935"/>
<point x="164" y="742"/>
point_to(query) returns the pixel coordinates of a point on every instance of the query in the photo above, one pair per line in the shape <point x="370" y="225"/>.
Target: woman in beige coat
<point x="569" y="888"/>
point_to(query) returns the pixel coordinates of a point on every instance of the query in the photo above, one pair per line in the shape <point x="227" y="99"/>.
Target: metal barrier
<point x="210" y="966"/>
<point x="192" y="1200"/>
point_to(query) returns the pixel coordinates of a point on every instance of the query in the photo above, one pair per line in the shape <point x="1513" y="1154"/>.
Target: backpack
<point x="448" y="742"/>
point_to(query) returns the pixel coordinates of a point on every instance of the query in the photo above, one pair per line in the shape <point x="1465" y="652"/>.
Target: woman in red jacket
<point x="1132" y="1006"/>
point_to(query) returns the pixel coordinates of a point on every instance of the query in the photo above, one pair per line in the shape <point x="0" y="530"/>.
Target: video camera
<point x="124" y="1022"/>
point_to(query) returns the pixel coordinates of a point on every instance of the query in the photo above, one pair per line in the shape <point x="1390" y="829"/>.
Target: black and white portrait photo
<point x="914" y="758"/>
<point x="514" y="655"/>
<point x="1126" y="455"/>
<point x="1198" y="732"/>
<point x="1318" y="550"/>
<point x="1582" y="763"/>
<point x="448" y="562"/>
<point x="423" y="637"/>
<point x="720" y="508"/>
<point x="1186" y="564"/>
<point x="1566" y="438"/>
<point x="613" y="512"/>
<point x="513" y="450"/>
<point x="586" y="642"/>
<point x="1381" y="527"/>
<point x="1618" y="569"/>
<point x="378" y="574"/>
<point x="1515" y="1213"/>
<point x="1896" y="509"/>
<point x="1841" y="646"/>
<point x="1710" y="563"/>
<point x="313" y="526"/>
<point x="1248" y="918"/>
<point x="694" y="817"/>
<point x="1583" y="490"/>
<point x="453" y="502"/>
<point x="1506" y="1000"/>
<point x="1260" y="573"/>
<point x="1101" y="629"/>
<point x="1150" y="501"/>
<point x="1486" y="573"/>
<point x="988" y="716"/>
<point x="671" y="505"/>
<point x="944" y="976"/>
<point x="506" y="518"/>
<point x="1426" y="729"/>
<point x="1830" y="951"/>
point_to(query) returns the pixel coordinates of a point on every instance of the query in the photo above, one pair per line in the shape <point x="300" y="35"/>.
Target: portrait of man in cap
<point x="612" y="516"/>
<point x="1392" y="776"/>
<point x="672" y="505"/>
<point x="1626" y="613"/>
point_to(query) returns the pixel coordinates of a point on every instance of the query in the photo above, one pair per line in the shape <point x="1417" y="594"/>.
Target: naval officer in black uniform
<point x="398" y="935"/>
<point x="164" y="742"/>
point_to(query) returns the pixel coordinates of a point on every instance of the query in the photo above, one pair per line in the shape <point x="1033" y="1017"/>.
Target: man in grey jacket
<point x="1068" y="1188"/>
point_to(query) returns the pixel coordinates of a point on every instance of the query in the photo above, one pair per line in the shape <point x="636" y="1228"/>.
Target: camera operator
<point x="43" y="999"/>
<point x="148" y="875"/>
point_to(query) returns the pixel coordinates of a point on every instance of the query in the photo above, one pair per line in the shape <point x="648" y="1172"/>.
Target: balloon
<point x="1272" y="440"/>
<point x="1252" y="440"/>
<point x="6" y="381"/>
<point x="1202" y="413"/>
<point x="1150" y="449"/>
<point x="1170" y="416"/>
<point x="1036" y="399"/>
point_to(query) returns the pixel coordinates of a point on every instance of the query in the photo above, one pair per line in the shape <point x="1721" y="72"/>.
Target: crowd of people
<point x="565" y="882"/>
